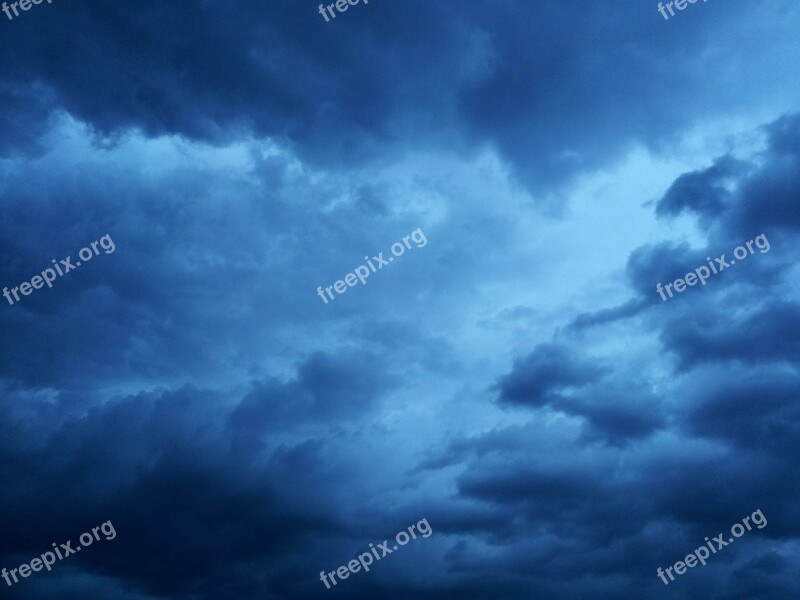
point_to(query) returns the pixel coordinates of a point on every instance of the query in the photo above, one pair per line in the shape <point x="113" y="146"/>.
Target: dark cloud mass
<point x="516" y="379"/>
<point x="547" y="369"/>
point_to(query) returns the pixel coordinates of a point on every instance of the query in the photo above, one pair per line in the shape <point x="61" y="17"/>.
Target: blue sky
<point x="517" y="381"/>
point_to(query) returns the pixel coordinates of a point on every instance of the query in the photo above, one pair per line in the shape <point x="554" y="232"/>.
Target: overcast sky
<point x="516" y="380"/>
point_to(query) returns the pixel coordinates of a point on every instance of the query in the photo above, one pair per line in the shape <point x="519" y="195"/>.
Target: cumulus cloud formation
<point x="519" y="382"/>
<point x="549" y="368"/>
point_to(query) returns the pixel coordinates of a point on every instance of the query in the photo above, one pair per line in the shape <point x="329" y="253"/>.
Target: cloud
<point x="549" y="368"/>
<point x="554" y="104"/>
<point x="242" y="435"/>
<point x="703" y="192"/>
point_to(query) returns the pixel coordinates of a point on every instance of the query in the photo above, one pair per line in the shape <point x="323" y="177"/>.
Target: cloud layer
<point x="518" y="381"/>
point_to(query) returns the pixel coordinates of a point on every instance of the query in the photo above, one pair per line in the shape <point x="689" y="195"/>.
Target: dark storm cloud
<point x="737" y="316"/>
<point x="556" y="87"/>
<point x="191" y="275"/>
<point x="735" y="201"/>
<point x="769" y="332"/>
<point x="211" y="493"/>
<point x="211" y="71"/>
<point x="594" y="518"/>
<point x="553" y="376"/>
<point x="193" y="509"/>
<point x="324" y="385"/>
<point x="770" y="197"/>
<point x="247" y="490"/>
<point x="549" y="368"/>
<point x="736" y="198"/>
<point x="657" y="461"/>
<point x="760" y="411"/>
<point x="615" y="413"/>
<point x="703" y="192"/>
<point x="90" y="310"/>
<point x="662" y="262"/>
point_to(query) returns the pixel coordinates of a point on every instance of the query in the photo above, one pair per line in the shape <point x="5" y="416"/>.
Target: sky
<point x="513" y="383"/>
